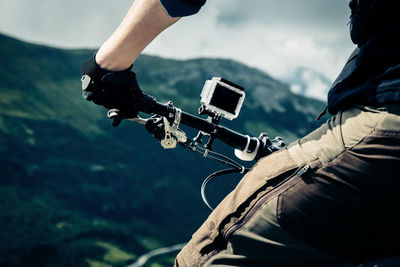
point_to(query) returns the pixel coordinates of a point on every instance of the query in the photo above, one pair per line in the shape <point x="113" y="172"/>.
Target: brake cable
<point x="235" y="167"/>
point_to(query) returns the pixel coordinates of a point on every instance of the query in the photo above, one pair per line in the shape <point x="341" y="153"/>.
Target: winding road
<point x="141" y="261"/>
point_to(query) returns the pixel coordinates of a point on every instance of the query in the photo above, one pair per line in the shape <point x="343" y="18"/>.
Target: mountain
<point x="75" y="191"/>
<point x="308" y="82"/>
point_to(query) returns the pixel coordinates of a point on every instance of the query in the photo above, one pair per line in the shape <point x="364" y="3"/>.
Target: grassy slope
<point x="75" y="191"/>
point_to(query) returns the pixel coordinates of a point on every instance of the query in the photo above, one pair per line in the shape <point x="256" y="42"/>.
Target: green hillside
<point x="75" y="191"/>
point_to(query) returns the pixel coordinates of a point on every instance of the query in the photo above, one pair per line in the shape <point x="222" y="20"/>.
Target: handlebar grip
<point x="235" y="139"/>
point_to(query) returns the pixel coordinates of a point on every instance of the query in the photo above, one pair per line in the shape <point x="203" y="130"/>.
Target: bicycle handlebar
<point x="149" y="105"/>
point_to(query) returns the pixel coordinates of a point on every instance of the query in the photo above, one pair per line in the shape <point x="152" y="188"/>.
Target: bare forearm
<point x="144" y="21"/>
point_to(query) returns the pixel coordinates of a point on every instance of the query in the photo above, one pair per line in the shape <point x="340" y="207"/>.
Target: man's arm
<point x="144" y="21"/>
<point x="107" y="79"/>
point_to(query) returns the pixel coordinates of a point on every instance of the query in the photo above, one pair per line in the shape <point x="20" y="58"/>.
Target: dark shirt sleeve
<point x="181" y="8"/>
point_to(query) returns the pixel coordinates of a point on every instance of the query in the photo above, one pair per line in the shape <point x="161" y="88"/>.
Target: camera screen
<point x="225" y="99"/>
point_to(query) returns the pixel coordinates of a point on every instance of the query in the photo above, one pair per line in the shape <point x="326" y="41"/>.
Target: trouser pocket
<point x="348" y="206"/>
<point x="213" y="235"/>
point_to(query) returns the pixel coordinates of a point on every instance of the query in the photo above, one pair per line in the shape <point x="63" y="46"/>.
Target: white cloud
<point x="72" y="23"/>
<point x="275" y="36"/>
<point x="277" y="48"/>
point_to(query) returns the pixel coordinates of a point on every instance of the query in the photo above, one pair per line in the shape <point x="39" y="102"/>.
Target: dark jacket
<point x="372" y="74"/>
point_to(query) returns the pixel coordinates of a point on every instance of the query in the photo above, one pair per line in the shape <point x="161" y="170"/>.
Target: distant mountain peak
<point x="309" y="83"/>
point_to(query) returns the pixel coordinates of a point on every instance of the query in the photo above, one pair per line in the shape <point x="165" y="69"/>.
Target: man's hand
<point x="112" y="89"/>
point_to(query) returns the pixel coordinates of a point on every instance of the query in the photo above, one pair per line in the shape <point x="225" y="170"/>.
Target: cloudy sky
<point x="275" y="36"/>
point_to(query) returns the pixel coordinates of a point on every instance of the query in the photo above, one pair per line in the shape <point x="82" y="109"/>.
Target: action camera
<point x="222" y="97"/>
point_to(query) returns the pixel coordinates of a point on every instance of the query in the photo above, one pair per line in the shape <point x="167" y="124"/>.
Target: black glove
<point x="116" y="90"/>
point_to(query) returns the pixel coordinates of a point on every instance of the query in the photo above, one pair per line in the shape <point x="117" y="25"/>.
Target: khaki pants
<point x="244" y="229"/>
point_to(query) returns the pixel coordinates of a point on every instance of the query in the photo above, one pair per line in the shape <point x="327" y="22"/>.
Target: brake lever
<point x="114" y="113"/>
<point x="140" y="120"/>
